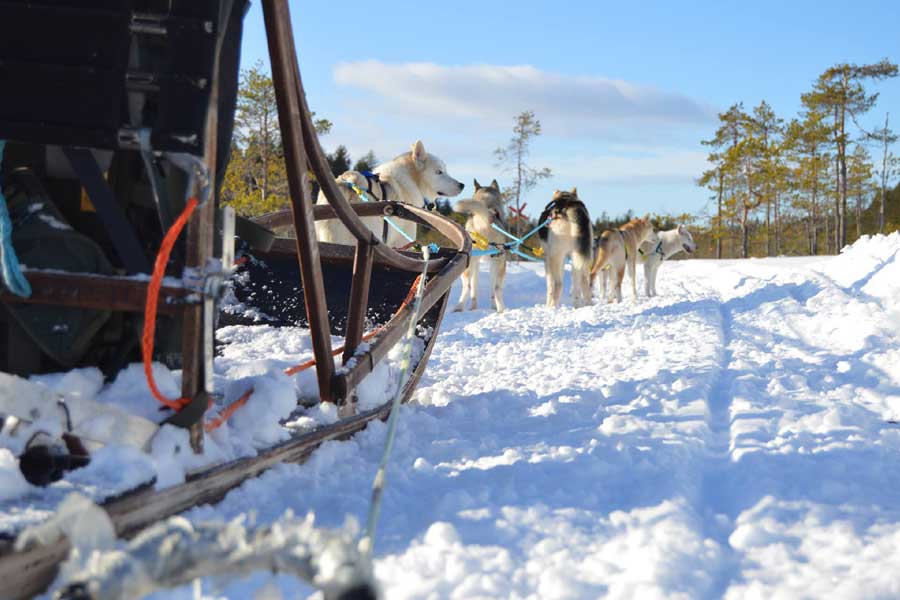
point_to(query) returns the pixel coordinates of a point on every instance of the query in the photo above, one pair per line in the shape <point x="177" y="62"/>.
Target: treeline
<point x="808" y="185"/>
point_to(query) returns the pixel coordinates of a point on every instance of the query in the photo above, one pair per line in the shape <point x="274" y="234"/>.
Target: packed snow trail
<point x="732" y="438"/>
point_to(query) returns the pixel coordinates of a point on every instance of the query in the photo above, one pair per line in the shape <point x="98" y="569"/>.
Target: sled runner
<point x="117" y="117"/>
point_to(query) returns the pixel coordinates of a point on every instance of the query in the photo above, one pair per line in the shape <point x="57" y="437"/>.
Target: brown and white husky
<point x="618" y="249"/>
<point x="568" y="234"/>
<point x="483" y="210"/>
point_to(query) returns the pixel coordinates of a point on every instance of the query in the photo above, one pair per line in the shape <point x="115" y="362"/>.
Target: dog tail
<point x="602" y="256"/>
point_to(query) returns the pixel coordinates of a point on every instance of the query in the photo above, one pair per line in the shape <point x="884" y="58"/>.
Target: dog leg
<point x="620" y="278"/>
<point x="554" y="271"/>
<point x="461" y="305"/>
<point x="586" y="292"/>
<point x="498" y="275"/>
<point x="632" y="274"/>
<point x="581" y="280"/>
<point x="647" y="268"/>
<point x="474" y="284"/>
<point x="614" y="283"/>
<point x="654" y="269"/>
<point x="604" y="280"/>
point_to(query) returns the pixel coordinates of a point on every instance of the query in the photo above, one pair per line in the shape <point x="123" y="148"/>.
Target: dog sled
<point x="116" y="117"/>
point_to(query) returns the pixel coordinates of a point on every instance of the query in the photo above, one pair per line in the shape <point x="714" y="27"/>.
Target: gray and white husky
<point x="569" y="234"/>
<point x="411" y="178"/>
<point x="666" y="245"/>
<point x="483" y="210"/>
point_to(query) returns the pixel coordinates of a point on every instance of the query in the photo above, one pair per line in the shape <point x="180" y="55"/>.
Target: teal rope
<point x="10" y="269"/>
<point x="512" y="246"/>
<point x="367" y="543"/>
<point x="522" y="239"/>
<point x="390" y="221"/>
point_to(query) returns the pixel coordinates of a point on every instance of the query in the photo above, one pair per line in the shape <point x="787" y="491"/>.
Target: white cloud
<point x="653" y="165"/>
<point x="632" y="145"/>
<point x="489" y="95"/>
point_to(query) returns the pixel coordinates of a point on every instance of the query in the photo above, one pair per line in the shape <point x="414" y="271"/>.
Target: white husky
<point x="654" y="252"/>
<point x="484" y="209"/>
<point x="412" y="177"/>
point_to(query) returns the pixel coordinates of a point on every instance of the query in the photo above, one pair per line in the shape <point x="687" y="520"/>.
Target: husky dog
<point x="568" y="234"/>
<point x="665" y="245"/>
<point x="483" y="210"/>
<point x="411" y="178"/>
<point x="617" y="250"/>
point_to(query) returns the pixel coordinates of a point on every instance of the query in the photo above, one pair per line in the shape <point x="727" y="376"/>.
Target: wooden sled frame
<point x="29" y="571"/>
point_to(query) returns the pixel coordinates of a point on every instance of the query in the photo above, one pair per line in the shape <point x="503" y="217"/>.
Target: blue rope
<point x="9" y="262"/>
<point x="390" y="221"/>
<point x="524" y="237"/>
<point x="399" y="230"/>
<point x="512" y="246"/>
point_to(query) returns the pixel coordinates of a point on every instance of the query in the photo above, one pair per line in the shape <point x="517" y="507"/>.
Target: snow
<point x="729" y="438"/>
<point x="734" y="437"/>
<point x="251" y="359"/>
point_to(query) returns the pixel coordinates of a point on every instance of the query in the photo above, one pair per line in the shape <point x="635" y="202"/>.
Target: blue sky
<point x="624" y="91"/>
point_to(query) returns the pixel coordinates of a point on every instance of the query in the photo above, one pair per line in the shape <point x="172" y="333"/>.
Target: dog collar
<point x="429" y="206"/>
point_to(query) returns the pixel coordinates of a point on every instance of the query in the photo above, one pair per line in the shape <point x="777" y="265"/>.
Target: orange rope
<point x="159" y="270"/>
<point x="231" y="408"/>
<point x="150" y="309"/>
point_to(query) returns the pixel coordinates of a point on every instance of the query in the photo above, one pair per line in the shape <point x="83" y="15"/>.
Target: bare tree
<point x="886" y="137"/>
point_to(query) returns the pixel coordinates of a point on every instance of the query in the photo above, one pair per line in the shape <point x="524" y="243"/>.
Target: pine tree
<point x="255" y="181"/>
<point x="764" y="147"/>
<point x="366" y="163"/>
<point x="514" y="157"/>
<point x="339" y="160"/>
<point x="840" y="92"/>
<point x="806" y="141"/>
<point x="723" y="176"/>
<point x="860" y="174"/>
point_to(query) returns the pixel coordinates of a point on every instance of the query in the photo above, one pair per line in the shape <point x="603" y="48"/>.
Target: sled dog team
<point x="416" y="175"/>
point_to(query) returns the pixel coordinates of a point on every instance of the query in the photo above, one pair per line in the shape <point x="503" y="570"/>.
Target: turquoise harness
<point x="10" y="269"/>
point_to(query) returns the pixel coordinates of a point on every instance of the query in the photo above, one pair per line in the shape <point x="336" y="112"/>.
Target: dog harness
<point x="624" y="243"/>
<point x="374" y="178"/>
<point x="658" y="250"/>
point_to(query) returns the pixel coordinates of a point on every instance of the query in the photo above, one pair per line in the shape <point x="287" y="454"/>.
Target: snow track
<point x="730" y="438"/>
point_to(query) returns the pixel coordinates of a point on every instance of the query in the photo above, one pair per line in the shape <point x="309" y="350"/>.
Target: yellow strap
<point x="478" y="240"/>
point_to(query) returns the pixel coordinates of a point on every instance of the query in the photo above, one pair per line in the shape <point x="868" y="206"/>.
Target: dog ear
<point x="574" y="191"/>
<point x="477" y="185"/>
<point x="495" y="185"/>
<point x="418" y="154"/>
<point x="681" y="228"/>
